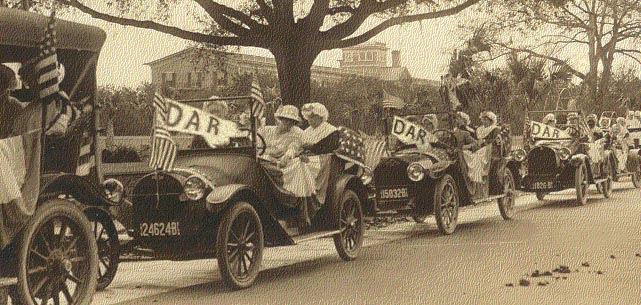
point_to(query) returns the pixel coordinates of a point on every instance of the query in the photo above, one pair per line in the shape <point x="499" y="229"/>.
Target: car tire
<point x="506" y="204"/>
<point x="540" y="196"/>
<point x="44" y="256"/>
<point x="349" y="214"/>
<point x="108" y="246"/>
<point x="636" y="179"/>
<point x="606" y="186"/>
<point x="613" y="164"/>
<point x="446" y="205"/>
<point x="581" y="183"/>
<point x="242" y="220"/>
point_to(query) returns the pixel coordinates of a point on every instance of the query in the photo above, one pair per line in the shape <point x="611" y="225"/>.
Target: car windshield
<point x="210" y="124"/>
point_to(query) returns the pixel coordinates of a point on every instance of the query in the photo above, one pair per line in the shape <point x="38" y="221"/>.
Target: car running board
<point x="8" y="281"/>
<point x="312" y="236"/>
<point x="488" y="199"/>
<point x="599" y="181"/>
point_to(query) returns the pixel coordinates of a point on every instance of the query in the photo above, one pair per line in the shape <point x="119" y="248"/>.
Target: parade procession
<point x="236" y="178"/>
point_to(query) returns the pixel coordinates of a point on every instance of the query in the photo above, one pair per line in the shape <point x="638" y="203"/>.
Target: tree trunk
<point x="294" y="74"/>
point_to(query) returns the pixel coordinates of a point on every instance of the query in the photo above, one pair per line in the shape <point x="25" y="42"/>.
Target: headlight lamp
<point x="564" y="154"/>
<point x="415" y="172"/>
<point x="194" y="188"/>
<point x="519" y="155"/>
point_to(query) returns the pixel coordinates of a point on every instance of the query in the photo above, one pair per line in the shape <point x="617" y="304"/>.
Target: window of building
<point x="357" y="56"/>
<point x="370" y="56"/>
<point x="169" y="79"/>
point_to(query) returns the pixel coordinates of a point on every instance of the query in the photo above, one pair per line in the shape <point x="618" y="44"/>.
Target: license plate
<point x="160" y="229"/>
<point x="543" y="185"/>
<point x="394" y="193"/>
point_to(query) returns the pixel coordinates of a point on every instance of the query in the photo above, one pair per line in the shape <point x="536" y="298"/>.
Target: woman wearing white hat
<point x="320" y="137"/>
<point x="284" y="139"/>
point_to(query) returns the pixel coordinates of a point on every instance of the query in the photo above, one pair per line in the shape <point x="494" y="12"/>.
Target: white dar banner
<point x="540" y="130"/>
<point x="187" y="119"/>
<point x="410" y="133"/>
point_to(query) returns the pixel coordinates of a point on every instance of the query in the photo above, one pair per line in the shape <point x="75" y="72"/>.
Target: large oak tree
<point x="294" y="31"/>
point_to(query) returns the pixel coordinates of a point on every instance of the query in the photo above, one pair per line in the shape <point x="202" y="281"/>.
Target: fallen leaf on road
<point x="599" y="272"/>
<point x="547" y="273"/>
<point x="586" y="264"/>
<point x="509" y="285"/>
<point x="612" y="256"/>
<point x="524" y="283"/>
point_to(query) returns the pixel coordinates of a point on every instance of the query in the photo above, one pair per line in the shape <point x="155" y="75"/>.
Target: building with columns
<point x="182" y="73"/>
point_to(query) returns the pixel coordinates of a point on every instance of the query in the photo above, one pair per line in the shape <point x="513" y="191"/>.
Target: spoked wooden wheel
<point x="636" y="179"/>
<point x="506" y="204"/>
<point x="108" y="246"/>
<point x="239" y="246"/>
<point x="446" y="205"/>
<point x="606" y="186"/>
<point x="57" y="257"/>
<point x="581" y="184"/>
<point x="350" y="239"/>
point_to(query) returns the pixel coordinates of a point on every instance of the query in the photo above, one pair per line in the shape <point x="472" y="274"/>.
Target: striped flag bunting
<point x="258" y="103"/>
<point x="375" y="151"/>
<point x="390" y="101"/>
<point x="351" y="147"/>
<point x="86" y="158"/>
<point x="163" y="147"/>
<point x="47" y="63"/>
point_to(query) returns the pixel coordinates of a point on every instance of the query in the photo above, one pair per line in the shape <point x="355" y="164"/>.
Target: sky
<point x="425" y="47"/>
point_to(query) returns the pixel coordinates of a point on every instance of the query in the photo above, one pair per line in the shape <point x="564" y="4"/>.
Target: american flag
<point x="390" y="101"/>
<point x="375" y="150"/>
<point x="163" y="147"/>
<point x="258" y="103"/>
<point x="47" y="64"/>
<point x="351" y="147"/>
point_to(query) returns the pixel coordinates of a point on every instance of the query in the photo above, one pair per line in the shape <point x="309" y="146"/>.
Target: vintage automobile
<point x="435" y="181"/>
<point x="223" y="202"/>
<point x="562" y="157"/>
<point x="48" y="250"/>
<point x="625" y="156"/>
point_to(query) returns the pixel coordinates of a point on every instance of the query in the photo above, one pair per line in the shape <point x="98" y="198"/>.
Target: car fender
<point x="222" y="194"/>
<point x="79" y="187"/>
<point x="438" y="169"/>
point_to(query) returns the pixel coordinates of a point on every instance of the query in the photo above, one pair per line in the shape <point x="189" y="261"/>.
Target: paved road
<point x="413" y="264"/>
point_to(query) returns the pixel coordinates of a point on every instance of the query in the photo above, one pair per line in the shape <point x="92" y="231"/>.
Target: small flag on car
<point x="46" y="67"/>
<point x="390" y="101"/>
<point x="163" y="147"/>
<point x="258" y="103"/>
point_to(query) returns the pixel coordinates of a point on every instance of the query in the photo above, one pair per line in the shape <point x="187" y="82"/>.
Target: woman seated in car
<point x="489" y="132"/>
<point x="320" y="137"/>
<point x="283" y="140"/>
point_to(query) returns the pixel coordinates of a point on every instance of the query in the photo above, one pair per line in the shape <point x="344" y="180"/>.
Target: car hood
<point x="220" y="169"/>
<point x="412" y="155"/>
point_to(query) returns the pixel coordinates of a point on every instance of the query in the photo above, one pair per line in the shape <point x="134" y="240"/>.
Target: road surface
<point x="486" y="261"/>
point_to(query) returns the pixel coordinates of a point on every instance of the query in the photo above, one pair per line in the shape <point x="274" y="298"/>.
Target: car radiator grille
<point x="542" y="161"/>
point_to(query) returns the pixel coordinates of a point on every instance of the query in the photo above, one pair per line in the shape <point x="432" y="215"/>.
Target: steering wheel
<point x="446" y="138"/>
<point x="260" y="148"/>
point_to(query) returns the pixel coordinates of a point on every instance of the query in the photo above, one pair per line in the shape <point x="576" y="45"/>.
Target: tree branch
<point x="224" y="21"/>
<point x="547" y="57"/>
<point x="332" y="44"/>
<point x="171" y="30"/>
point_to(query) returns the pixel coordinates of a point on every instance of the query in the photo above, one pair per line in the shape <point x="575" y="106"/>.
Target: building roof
<point x="368" y="45"/>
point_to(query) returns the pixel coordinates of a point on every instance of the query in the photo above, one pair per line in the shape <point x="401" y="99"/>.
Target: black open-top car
<point x="563" y="156"/>
<point x="435" y="180"/>
<point x="223" y="202"/>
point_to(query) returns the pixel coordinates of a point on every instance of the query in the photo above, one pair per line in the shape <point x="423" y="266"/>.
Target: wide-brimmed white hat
<point x="288" y="112"/>
<point x="316" y="109"/>
<point x="490" y="116"/>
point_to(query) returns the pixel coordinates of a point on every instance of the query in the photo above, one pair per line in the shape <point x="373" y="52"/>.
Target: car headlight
<point x="366" y="177"/>
<point x="564" y="154"/>
<point x="195" y="188"/>
<point x="519" y="155"/>
<point x="113" y="189"/>
<point x="415" y="172"/>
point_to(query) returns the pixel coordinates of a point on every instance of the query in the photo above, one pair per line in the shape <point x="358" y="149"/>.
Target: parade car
<point x="48" y="250"/>
<point x="625" y="160"/>
<point x="562" y="157"/>
<point x="220" y="201"/>
<point x="434" y="180"/>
